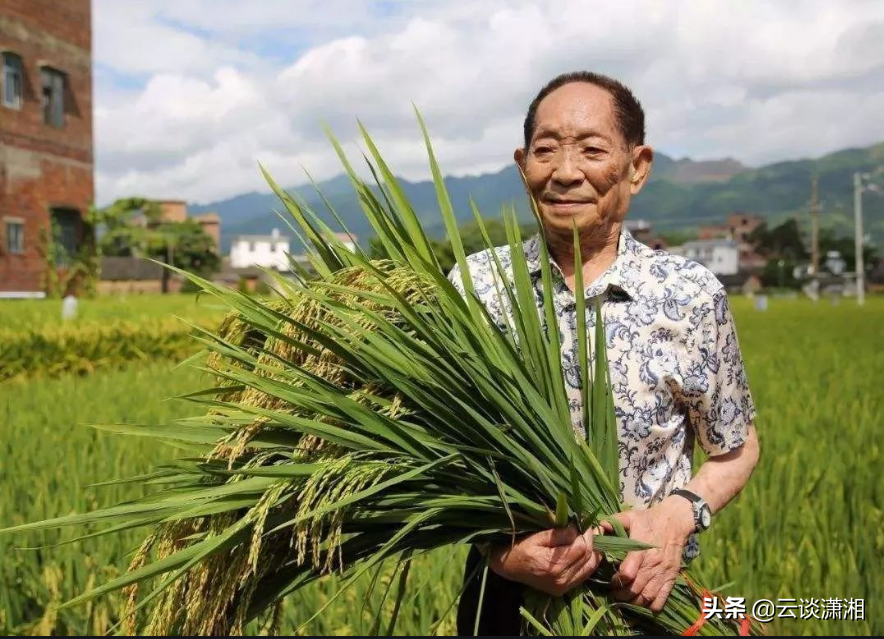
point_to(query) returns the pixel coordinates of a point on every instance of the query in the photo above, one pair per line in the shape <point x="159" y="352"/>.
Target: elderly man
<point x="675" y="366"/>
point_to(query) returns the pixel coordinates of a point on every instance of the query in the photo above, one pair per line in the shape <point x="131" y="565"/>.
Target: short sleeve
<point x="455" y="278"/>
<point x="720" y="405"/>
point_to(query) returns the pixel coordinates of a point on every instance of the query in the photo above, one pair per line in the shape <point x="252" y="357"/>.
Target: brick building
<point x="738" y="228"/>
<point x="45" y="135"/>
<point x="175" y="211"/>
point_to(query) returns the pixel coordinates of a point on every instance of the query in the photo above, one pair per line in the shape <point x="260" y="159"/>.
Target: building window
<point x="66" y="229"/>
<point x="53" y="97"/>
<point x="15" y="237"/>
<point x="12" y="80"/>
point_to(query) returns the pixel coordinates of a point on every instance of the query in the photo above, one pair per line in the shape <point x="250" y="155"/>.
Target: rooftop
<point x="710" y="243"/>
<point x="261" y="238"/>
<point x="129" y="268"/>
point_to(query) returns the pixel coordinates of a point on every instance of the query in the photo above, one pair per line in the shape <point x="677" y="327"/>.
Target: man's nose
<point x="567" y="170"/>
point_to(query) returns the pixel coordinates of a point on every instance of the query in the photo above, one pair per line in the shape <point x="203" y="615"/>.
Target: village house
<point x="266" y="251"/>
<point x="642" y="231"/>
<point x="134" y="275"/>
<point x="732" y="259"/>
<point x="139" y="275"/>
<point x="270" y="251"/>
<point x="46" y="156"/>
<point x="251" y="254"/>
<point x="721" y="256"/>
<point x="738" y="228"/>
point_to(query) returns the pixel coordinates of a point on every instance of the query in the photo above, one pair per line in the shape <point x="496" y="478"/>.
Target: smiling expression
<point x="578" y="165"/>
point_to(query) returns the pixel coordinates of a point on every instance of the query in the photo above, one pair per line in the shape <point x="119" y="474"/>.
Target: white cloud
<point x="130" y="39"/>
<point x="233" y="17"/>
<point x="759" y="82"/>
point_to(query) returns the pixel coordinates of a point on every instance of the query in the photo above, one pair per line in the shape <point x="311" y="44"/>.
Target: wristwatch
<point x="702" y="512"/>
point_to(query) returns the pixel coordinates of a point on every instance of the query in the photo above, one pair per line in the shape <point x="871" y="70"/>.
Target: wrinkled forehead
<point x="578" y="110"/>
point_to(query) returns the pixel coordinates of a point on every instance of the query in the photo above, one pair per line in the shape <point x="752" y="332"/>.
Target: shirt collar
<point x="622" y="275"/>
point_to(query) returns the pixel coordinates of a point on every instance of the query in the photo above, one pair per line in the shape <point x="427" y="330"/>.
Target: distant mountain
<point x="687" y="171"/>
<point x="254" y="212"/>
<point x="681" y="194"/>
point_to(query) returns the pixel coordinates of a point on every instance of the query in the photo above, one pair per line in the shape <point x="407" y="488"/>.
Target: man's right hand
<point x="552" y="561"/>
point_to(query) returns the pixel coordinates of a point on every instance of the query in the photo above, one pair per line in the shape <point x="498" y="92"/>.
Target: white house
<point x="268" y="251"/>
<point x="721" y="256"/>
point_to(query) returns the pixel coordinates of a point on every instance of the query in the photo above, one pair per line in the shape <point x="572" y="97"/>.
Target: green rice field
<point x="810" y="524"/>
<point x="33" y="314"/>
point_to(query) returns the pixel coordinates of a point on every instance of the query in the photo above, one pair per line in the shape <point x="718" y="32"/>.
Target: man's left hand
<point x="646" y="577"/>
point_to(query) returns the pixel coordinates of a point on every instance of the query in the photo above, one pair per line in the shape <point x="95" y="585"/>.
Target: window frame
<point x="9" y="56"/>
<point x="68" y="222"/>
<point x="8" y="223"/>
<point x="54" y="117"/>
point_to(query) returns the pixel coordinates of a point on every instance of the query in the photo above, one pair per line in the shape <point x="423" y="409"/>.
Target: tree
<point x="846" y="246"/>
<point x="783" y="241"/>
<point x="133" y="227"/>
<point x="119" y="234"/>
<point x="779" y="273"/>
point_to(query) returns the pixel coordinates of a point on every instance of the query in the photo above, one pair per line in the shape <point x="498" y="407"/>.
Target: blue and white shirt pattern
<point x="676" y="371"/>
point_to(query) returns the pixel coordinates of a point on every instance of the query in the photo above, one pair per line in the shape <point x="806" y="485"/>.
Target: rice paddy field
<point x="34" y="314"/>
<point x="810" y="524"/>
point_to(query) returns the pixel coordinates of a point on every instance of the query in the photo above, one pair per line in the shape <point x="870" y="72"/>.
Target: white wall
<point x="244" y="253"/>
<point x="721" y="259"/>
<point x="726" y="260"/>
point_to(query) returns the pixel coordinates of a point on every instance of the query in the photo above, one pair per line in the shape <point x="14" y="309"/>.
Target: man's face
<point x="578" y="166"/>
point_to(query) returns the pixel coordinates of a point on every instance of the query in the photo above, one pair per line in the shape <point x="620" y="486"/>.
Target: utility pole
<point x="814" y="238"/>
<point x="858" y="212"/>
<point x="815" y="226"/>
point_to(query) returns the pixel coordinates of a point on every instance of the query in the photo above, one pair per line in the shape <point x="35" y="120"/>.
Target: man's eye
<point x="543" y="150"/>
<point x="593" y="150"/>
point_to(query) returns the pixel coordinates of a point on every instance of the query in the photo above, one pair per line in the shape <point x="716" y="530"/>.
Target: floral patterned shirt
<point x="676" y="371"/>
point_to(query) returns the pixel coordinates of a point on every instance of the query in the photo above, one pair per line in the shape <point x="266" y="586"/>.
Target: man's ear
<point x="519" y="157"/>
<point x="640" y="167"/>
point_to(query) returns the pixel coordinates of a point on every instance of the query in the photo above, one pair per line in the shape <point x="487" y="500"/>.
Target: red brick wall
<point x="173" y="210"/>
<point x="211" y="224"/>
<point x="42" y="167"/>
<point x="742" y="231"/>
<point x="713" y="232"/>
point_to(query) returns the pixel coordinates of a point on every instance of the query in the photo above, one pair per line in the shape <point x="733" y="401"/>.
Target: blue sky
<point x="190" y="94"/>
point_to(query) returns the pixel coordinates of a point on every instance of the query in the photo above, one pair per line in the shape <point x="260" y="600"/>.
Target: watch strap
<point x="694" y="498"/>
<point x="697" y="506"/>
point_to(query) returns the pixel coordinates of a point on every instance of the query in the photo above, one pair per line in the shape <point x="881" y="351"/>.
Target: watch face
<point x="705" y="517"/>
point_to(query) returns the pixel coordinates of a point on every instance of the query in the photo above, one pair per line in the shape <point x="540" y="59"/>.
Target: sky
<point x="191" y="94"/>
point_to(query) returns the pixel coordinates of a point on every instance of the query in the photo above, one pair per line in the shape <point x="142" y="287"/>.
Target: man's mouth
<point x="565" y="203"/>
